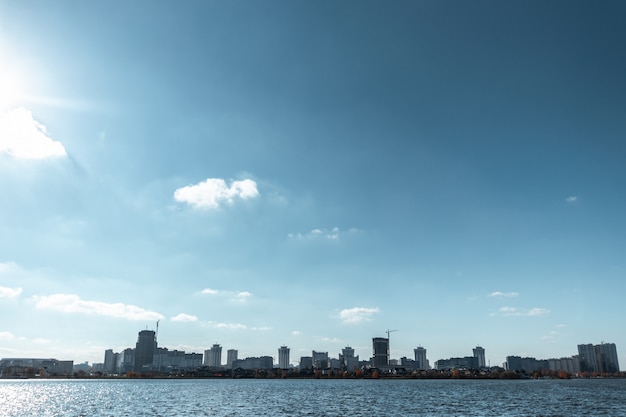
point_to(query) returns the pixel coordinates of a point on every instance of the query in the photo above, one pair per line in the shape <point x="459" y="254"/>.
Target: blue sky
<point x="312" y="174"/>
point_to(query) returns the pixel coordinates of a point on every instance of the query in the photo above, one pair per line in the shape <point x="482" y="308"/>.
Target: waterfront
<point x="221" y="398"/>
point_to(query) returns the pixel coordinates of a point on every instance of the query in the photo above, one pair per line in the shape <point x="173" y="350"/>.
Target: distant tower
<point x="231" y="356"/>
<point x="380" y="346"/>
<point x="213" y="356"/>
<point x="283" y="357"/>
<point x="420" y="358"/>
<point x="144" y="349"/>
<point x="479" y="354"/>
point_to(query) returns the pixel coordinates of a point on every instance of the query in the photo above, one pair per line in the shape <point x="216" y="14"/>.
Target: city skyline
<point x="312" y="174"/>
<point x="591" y="358"/>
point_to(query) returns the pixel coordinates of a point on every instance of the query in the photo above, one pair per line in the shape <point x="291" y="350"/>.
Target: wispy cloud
<point x="235" y="296"/>
<point x="184" y="318"/>
<point x="23" y="137"/>
<point x="514" y="311"/>
<point x="242" y="296"/>
<point x="214" y="192"/>
<point x="571" y="199"/>
<point x="296" y="333"/>
<point x="357" y="315"/>
<point x="500" y="294"/>
<point x="6" y="292"/>
<point x="331" y="339"/>
<point x="7" y="336"/>
<point x="330" y="234"/>
<point x="237" y="326"/>
<point x="71" y="303"/>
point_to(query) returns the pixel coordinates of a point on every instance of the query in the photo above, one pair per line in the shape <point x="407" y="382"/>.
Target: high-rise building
<point x="606" y="357"/>
<point x="231" y="357"/>
<point x="420" y="358"/>
<point x="213" y="356"/>
<point x="144" y="349"/>
<point x="110" y="362"/>
<point x="380" y="346"/>
<point x="587" y="355"/>
<point x="283" y="357"/>
<point x="479" y="354"/>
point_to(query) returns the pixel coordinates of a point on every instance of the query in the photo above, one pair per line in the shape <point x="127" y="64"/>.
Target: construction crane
<point x="389" y="343"/>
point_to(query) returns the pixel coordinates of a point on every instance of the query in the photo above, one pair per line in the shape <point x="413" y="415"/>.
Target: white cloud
<point x="7" y="336"/>
<point x="209" y="291"/>
<point x="70" y="303"/>
<point x="184" y="318"/>
<point x="538" y="311"/>
<point x="210" y="194"/>
<point x="500" y="294"/>
<point x="244" y="294"/>
<point x="357" y="314"/>
<point x="296" y="333"/>
<point x="330" y="234"/>
<point x="330" y="340"/>
<point x="23" y="137"/>
<point x="237" y="326"/>
<point x="571" y="199"/>
<point x="6" y="292"/>
<point x="514" y="311"/>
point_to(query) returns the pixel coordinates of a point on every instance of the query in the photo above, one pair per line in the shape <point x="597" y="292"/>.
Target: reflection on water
<point x="113" y="398"/>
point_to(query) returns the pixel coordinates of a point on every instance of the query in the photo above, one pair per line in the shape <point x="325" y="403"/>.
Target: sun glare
<point x="10" y="90"/>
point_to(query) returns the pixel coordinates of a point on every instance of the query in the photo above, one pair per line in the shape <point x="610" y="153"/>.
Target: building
<point x="320" y="360"/>
<point x="479" y="354"/>
<point x="231" y="357"/>
<point x="421" y="363"/>
<point x="144" y="349"/>
<point x="110" y="362"/>
<point x="517" y="363"/>
<point x="283" y="357"/>
<point x="29" y="367"/>
<point x="347" y="360"/>
<point x="606" y="358"/>
<point x="125" y="361"/>
<point x="175" y="360"/>
<point x="306" y="363"/>
<point x="380" y="347"/>
<point x="468" y="362"/>
<point x="587" y="355"/>
<point x="213" y="356"/>
<point x="570" y="365"/>
<point x="263" y="362"/>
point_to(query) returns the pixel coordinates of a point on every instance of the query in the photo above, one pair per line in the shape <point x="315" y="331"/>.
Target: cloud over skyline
<point x="184" y="318"/>
<point x="357" y="315"/>
<point x="214" y="192"/>
<point x="71" y="303"/>
<point x="23" y="137"/>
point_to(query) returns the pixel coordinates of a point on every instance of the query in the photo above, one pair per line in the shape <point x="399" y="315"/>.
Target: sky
<point x="312" y="174"/>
